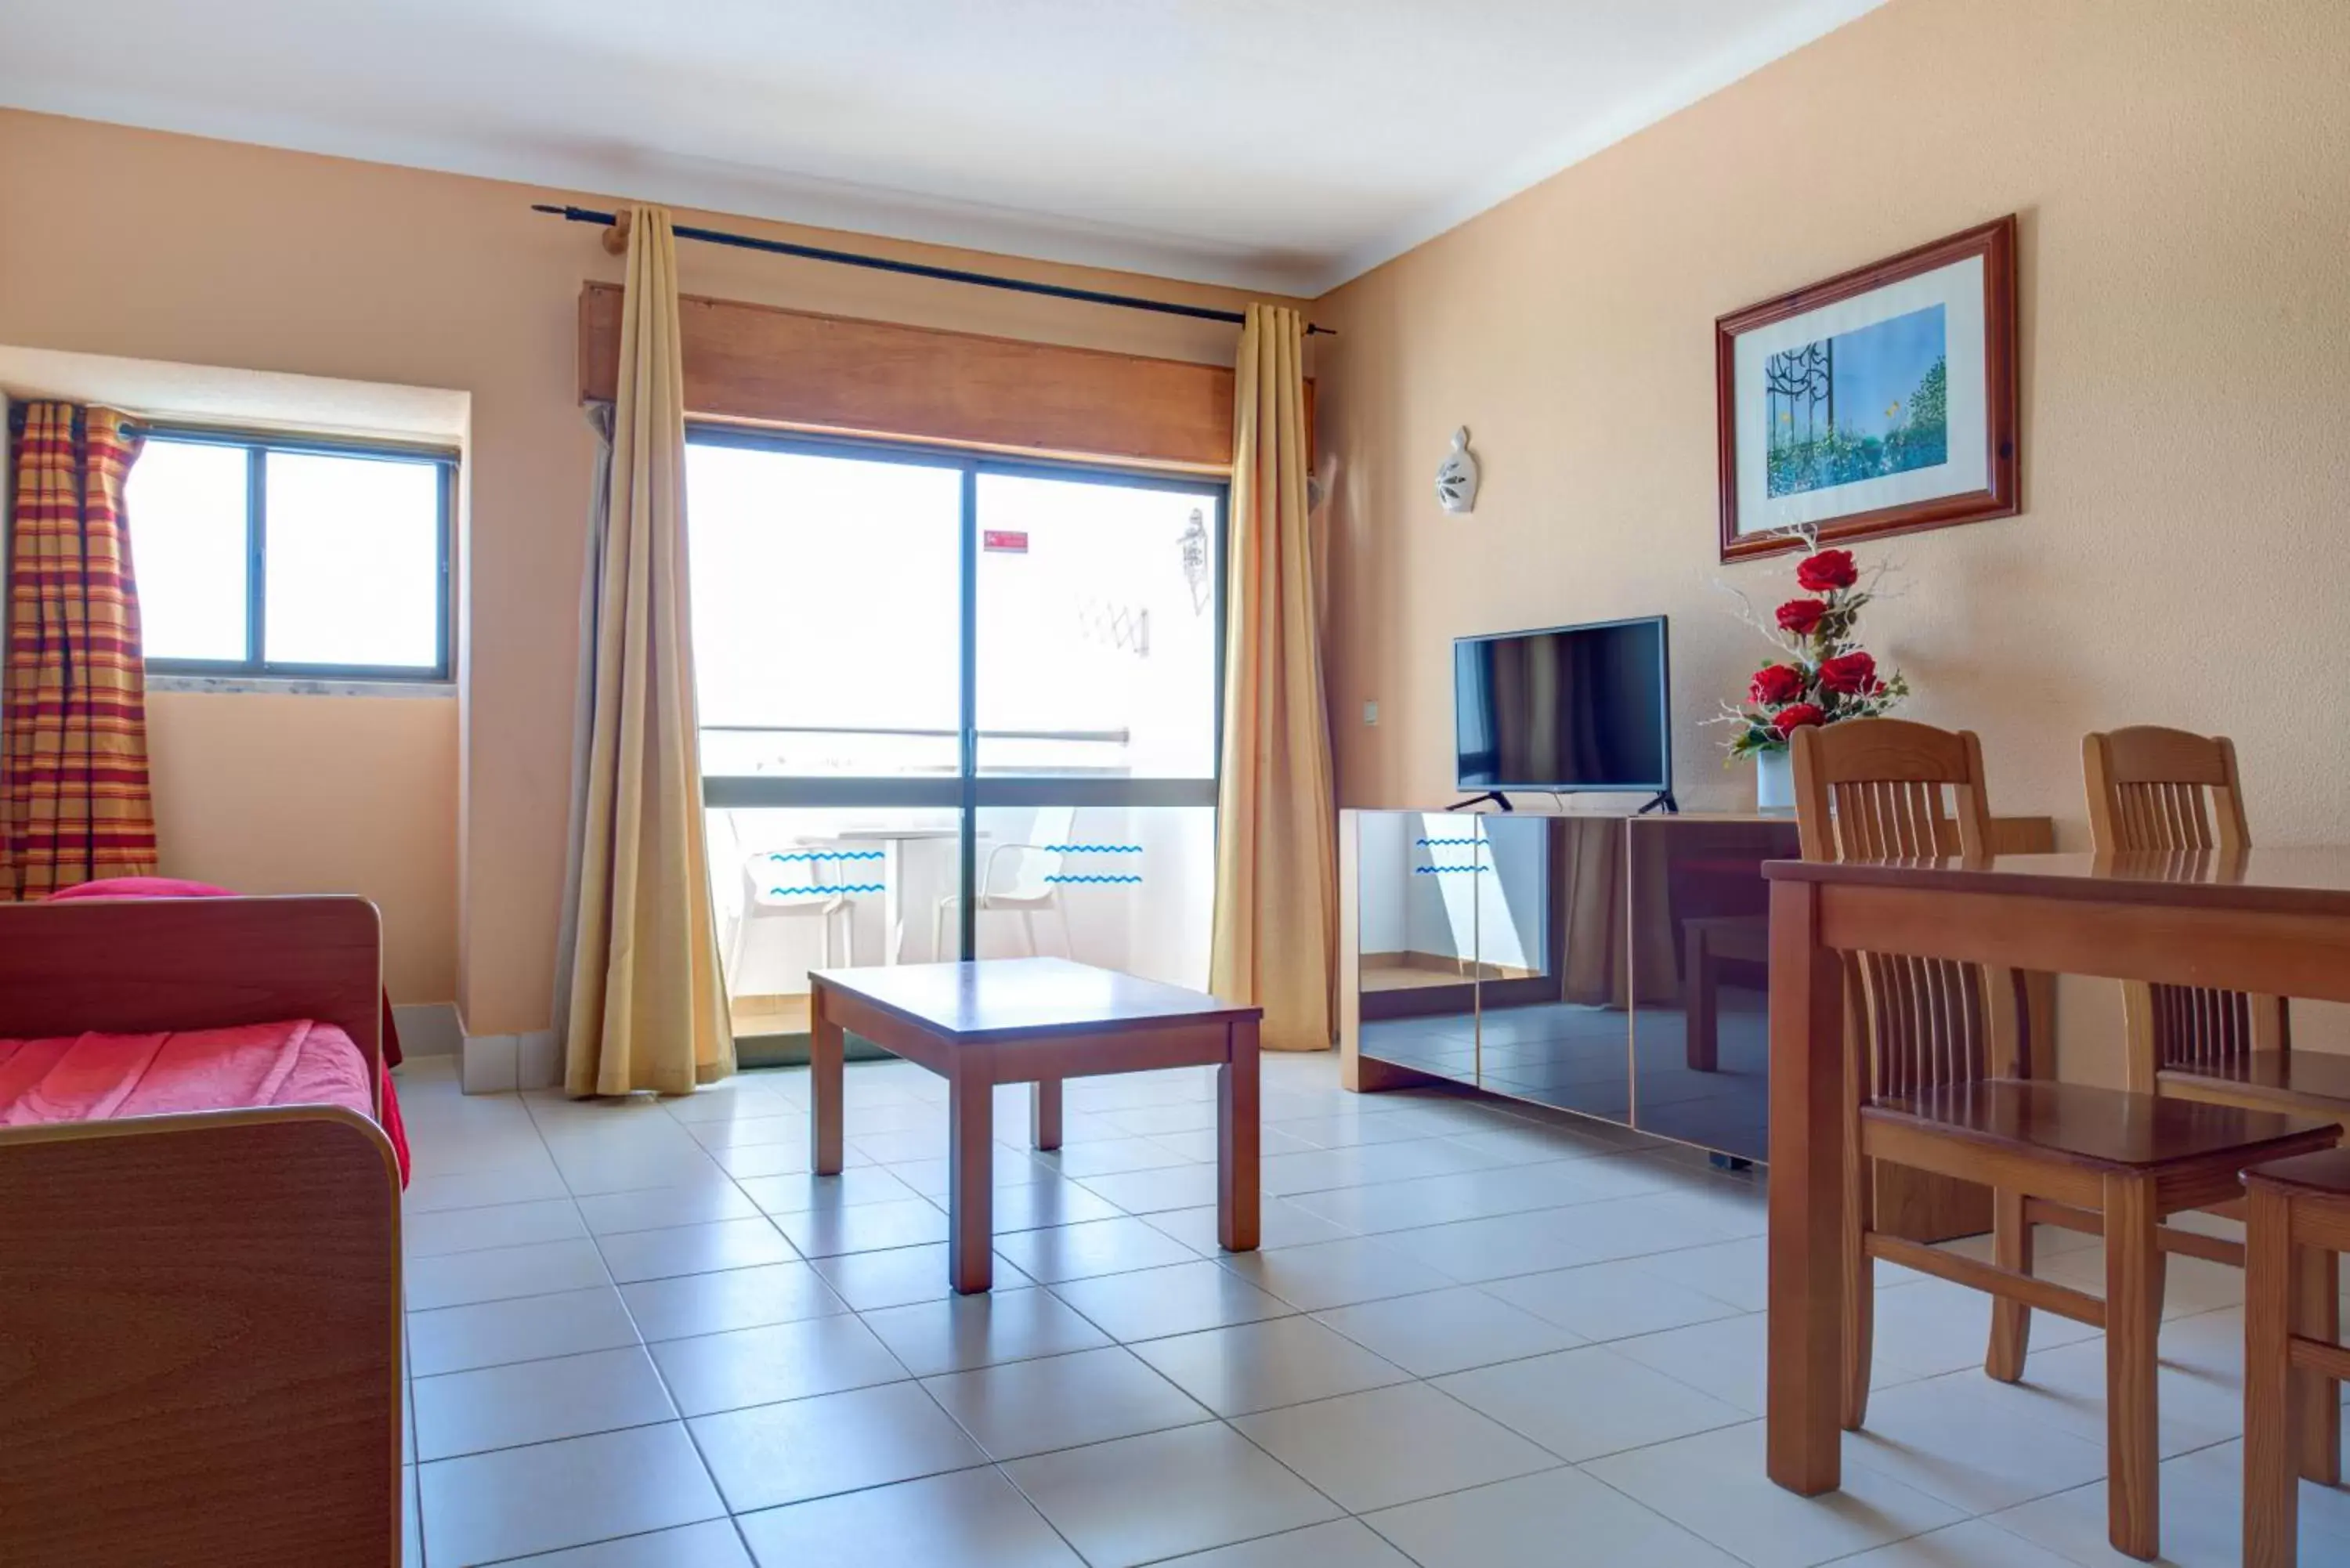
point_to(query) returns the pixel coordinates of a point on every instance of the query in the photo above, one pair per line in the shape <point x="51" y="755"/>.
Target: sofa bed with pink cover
<point x="200" y="1296"/>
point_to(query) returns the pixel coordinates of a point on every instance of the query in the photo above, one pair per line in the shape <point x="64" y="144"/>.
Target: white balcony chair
<point x="776" y="887"/>
<point x="1027" y="888"/>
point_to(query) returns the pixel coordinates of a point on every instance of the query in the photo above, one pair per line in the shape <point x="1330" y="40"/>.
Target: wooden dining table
<point x="2273" y="922"/>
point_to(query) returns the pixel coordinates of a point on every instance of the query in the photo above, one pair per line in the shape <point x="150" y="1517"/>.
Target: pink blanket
<point x="175" y="887"/>
<point x="91" y="1077"/>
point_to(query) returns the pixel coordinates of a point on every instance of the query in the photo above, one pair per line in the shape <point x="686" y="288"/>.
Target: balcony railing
<point x="899" y="751"/>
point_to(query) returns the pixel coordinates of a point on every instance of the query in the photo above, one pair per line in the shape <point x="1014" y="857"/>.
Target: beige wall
<point x="272" y="793"/>
<point x="130" y="243"/>
<point x="2183" y="173"/>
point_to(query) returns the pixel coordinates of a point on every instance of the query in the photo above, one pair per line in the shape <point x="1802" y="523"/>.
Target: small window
<point x="261" y="556"/>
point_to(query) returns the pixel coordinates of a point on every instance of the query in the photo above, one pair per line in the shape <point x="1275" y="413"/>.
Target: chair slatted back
<point x="2160" y="790"/>
<point x="2154" y="790"/>
<point x="1878" y="789"/>
<point x="2199" y="1028"/>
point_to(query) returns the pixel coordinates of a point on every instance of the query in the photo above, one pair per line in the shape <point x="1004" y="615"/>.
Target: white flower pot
<point x="1775" y="780"/>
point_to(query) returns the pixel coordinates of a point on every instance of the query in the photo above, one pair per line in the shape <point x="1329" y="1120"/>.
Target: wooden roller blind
<point x="761" y="363"/>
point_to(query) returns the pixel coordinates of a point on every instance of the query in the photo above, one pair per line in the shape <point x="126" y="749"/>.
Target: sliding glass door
<point x="951" y="706"/>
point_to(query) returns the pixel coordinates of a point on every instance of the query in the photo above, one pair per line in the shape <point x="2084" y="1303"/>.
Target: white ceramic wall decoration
<point x="1456" y="476"/>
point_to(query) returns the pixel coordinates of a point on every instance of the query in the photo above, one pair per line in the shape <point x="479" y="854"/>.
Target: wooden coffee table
<point x="1033" y="1021"/>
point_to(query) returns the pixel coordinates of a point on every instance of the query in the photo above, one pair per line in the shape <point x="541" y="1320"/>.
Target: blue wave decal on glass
<point x="1093" y="878"/>
<point x="779" y="856"/>
<point x="1430" y="843"/>
<point x="1440" y="870"/>
<point x="829" y="888"/>
<point x="1091" y="848"/>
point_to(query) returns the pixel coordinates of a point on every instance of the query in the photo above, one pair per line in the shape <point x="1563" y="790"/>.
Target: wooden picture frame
<point x="1946" y="452"/>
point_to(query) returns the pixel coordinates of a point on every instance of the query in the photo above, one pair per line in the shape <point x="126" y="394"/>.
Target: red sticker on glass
<point x="1005" y="541"/>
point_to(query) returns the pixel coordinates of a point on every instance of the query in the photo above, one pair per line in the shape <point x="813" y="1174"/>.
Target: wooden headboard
<point x="130" y="965"/>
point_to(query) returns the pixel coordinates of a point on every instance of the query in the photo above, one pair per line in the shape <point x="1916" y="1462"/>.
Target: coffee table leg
<point x="1237" y="1206"/>
<point x="824" y="1048"/>
<point x="971" y="1175"/>
<point x="1045" y="1113"/>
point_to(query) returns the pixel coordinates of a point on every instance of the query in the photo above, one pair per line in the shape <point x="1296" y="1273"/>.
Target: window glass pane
<point x="826" y="613"/>
<point x="186" y="501"/>
<point x="353" y="562"/>
<point x="1096" y="628"/>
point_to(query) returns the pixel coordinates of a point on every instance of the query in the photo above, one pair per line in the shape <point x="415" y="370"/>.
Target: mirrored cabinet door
<point x="1698" y="918"/>
<point x="1551" y="1019"/>
<point x="1416" y="938"/>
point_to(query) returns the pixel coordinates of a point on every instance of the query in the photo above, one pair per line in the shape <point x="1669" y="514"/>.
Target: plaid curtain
<point x="74" y="806"/>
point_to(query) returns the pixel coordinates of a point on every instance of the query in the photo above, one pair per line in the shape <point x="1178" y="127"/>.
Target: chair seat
<point x="2324" y="1175"/>
<point x="2312" y="1078"/>
<point x="2105" y="1129"/>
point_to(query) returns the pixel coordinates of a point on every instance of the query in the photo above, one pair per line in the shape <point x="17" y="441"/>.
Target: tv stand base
<point x="1496" y="796"/>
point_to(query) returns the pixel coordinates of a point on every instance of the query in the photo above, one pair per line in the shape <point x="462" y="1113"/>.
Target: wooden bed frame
<point x="199" y="1328"/>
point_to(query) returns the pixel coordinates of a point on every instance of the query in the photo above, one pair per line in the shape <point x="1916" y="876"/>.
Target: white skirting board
<point x="501" y="1064"/>
<point x="428" y="1028"/>
<point x="537" y="1063"/>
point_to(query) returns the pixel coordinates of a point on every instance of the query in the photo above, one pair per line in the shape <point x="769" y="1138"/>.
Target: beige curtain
<point x="1276" y="830"/>
<point x="583" y="712"/>
<point x="647" y="1008"/>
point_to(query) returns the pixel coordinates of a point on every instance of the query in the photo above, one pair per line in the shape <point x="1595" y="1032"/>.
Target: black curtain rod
<point x="916" y="269"/>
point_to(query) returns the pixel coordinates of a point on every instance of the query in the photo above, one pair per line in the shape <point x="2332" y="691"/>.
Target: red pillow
<point x="142" y="888"/>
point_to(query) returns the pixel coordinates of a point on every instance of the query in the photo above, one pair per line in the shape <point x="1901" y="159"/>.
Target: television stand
<point x="1623" y="976"/>
<point x="1661" y="800"/>
<point x="1496" y="796"/>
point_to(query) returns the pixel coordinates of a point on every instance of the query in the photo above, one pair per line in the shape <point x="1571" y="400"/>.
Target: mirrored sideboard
<point x="1612" y="966"/>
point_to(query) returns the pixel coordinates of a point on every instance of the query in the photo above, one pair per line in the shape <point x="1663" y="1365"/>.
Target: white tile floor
<point x="641" y="1336"/>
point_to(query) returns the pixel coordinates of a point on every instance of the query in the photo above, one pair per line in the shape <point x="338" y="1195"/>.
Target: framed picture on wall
<point x="1880" y="401"/>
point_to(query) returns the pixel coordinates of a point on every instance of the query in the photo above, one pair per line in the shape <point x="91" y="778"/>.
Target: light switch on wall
<point x="1371" y="710"/>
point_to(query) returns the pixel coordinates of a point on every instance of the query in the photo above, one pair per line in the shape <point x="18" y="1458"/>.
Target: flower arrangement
<point x="1821" y="674"/>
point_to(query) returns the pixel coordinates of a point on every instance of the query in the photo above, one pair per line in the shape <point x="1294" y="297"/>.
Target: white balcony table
<point x="893" y="842"/>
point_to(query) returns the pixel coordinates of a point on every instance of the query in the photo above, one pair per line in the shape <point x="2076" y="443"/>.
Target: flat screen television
<point x="1580" y="708"/>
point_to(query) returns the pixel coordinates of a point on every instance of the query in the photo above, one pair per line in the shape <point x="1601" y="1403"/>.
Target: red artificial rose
<point x="1775" y="684"/>
<point x="1795" y="716"/>
<point x="1827" y="571"/>
<point x="1802" y="616"/>
<point x="1849" y="672"/>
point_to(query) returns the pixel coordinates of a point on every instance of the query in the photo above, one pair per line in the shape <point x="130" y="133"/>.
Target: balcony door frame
<point x="970" y="789"/>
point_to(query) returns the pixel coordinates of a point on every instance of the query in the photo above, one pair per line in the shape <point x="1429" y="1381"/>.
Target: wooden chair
<point x="1933" y="1056"/>
<point x="2298" y="1226"/>
<point x="2153" y="790"/>
<point x="2168" y="792"/>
